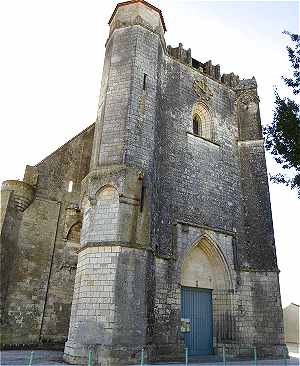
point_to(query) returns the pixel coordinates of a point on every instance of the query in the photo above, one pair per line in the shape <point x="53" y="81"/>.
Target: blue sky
<point x="50" y="70"/>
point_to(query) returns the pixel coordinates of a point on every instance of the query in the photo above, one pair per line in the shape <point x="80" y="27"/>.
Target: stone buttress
<point x="259" y="309"/>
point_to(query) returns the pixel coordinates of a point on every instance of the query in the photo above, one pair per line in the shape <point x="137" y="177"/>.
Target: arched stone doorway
<point x="206" y="291"/>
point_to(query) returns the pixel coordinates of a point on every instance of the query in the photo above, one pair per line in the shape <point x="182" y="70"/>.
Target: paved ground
<point x="39" y="358"/>
<point x="51" y="358"/>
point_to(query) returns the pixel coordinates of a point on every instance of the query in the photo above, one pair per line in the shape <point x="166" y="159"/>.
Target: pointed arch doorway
<point x="205" y="282"/>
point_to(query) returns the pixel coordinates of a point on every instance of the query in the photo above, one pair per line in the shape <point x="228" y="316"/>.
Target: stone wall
<point x="197" y="181"/>
<point x="29" y="281"/>
<point x="93" y="306"/>
<point x="219" y="183"/>
<point x="71" y="162"/>
<point x="41" y="256"/>
<point x="101" y="222"/>
<point x="167" y="340"/>
<point x="9" y="230"/>
<point x="109" y="308"/>
<point x="259" y="313"/>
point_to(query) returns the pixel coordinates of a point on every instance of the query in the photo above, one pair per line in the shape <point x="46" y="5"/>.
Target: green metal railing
<point x="224" y="354"/>
<point x="90" y="358"/>
<point x="186" y="356"/>
<point x="30" y="358"/>
<point x="142" y="357"/>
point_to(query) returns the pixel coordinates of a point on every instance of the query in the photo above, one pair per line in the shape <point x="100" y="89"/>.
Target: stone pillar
<point x="112" y="308"/>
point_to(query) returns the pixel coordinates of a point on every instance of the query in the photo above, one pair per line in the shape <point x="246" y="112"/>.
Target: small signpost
<point x="186" y="356"/>
<point x="185" y="325"/>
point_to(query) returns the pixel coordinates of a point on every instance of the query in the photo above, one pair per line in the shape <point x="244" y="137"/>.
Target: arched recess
<point x="202" y="121"/>
<point x="101" y="217"/>
<point x="204" y="266"/>
<point x="74" y="233"/>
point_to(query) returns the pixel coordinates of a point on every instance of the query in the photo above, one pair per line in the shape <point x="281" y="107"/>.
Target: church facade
<point x="151" y="229"/>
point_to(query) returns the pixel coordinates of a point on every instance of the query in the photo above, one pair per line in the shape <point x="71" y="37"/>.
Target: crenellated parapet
<point x="214" y="71"/>
<point x="179" y="53"/>
<point x="230" y="80"/>
<point x="246" y="84"/>
<point x="23" y="193"/>
<point x="207" y="68"/>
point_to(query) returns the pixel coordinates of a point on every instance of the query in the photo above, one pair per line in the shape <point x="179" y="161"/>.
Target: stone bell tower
<point x="111" y="309"/>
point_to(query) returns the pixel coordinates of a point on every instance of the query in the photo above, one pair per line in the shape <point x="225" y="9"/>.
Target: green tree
<point x="283" y="134"/>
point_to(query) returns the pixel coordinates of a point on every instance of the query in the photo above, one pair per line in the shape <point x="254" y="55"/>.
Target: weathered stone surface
<point x="162" y="205"/>
<point x="23" y="193"/>
<point x="10" y="220"/>
<point x="38" y="247"/>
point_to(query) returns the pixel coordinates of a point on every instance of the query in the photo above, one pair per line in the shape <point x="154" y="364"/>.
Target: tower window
<point x="145" y="82"/>
<point x="202" y="122"/>
<point x="196" y="126"/>
<point x="70" y="187"/>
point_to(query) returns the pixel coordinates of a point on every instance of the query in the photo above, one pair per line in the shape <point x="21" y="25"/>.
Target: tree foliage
<point x="294" y="57"/>
<point x="283" y="134"/>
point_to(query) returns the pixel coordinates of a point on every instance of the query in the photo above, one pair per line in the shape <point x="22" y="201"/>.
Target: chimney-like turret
<point x="115" y="255"/>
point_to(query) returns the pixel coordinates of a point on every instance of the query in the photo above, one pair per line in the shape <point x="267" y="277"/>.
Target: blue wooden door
<point x="196" y="306"/>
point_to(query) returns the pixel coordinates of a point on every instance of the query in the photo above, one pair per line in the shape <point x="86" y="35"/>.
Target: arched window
<point x="196" y="125"/>
<point x="202" y="122"/>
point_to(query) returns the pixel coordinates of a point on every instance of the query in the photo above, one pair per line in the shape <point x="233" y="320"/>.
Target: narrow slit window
<point x="145" y="82"/>
<point x="142" y="198"/>
<point x="70" y="187"/>
<point x="196" y="126"/>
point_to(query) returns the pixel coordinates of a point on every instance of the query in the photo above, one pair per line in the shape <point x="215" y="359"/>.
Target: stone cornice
<point x="119" y="5"/>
